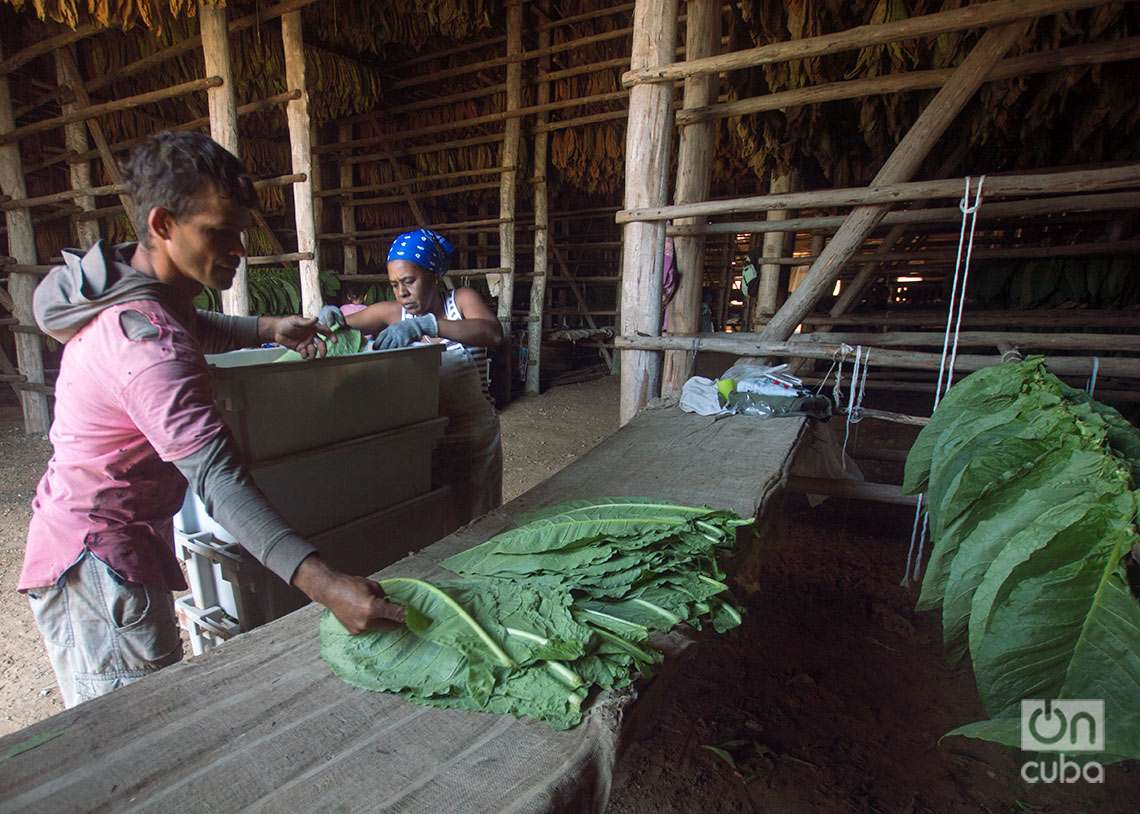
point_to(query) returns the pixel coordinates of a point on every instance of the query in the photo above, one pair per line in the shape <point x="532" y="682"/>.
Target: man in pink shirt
<point x="135" y="422"/>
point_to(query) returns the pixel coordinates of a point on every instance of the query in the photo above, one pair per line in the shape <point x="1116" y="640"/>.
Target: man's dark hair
<point x="169" y="169"/>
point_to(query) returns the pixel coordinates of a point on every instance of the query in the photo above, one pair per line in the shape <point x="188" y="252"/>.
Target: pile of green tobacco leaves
<point x="544" y="612"/>
<point x="349" y="341"/>
<point x="1030" y="490"/>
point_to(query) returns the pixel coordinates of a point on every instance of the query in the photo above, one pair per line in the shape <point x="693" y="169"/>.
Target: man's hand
<point x="403" y="333"/>
<point x="357" y="602"/>
<point x="303" y="334"/>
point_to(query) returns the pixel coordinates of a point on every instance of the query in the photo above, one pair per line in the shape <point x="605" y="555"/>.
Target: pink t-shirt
<point x="124" y="410"/>
<point x="352" y="308"/>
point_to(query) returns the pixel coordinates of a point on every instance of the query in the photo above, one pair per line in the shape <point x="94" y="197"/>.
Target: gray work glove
<point x="405" y="332"/>
<point x="331" y="317"/>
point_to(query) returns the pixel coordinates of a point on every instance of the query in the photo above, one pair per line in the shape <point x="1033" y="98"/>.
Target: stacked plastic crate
<point x="319" y="439"/>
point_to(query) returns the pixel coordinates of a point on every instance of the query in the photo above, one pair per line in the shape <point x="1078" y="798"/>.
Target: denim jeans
<point x="102" y="632"/>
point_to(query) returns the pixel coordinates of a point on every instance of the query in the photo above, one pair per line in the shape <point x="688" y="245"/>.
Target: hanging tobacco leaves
<point x="544" y="612"/>
<point x="1030" y="488"/>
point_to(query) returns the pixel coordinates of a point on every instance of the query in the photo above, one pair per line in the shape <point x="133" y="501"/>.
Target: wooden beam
<point x="773" y="244"/>
<point x="1039" y="318"/>
<point x="1026" y="340"/>
<point x="648" y="139"/>
<point x="47" y="46"/>
<point x="22" y="247"/>
<point x="1040" y="62"/>
<point x="1029" y="184"/>
<point x="583" y="306"/>
<point x="300" y="145"/>
<point x="66" y="59"/>
<point x="344" y="191"/>
<point x="936" y="256"/>
<point x="899" y="167"/>
<point x="79" y="173"/>
<point x="221" y="103"/>
<point x="741" y="345"/>
<point x="267" y="103"/>
<point x="851" y="490"/>
<point x="1103" y="202"/>
<point x="509" y="160"/>
<point x="89" y="111"/>
<point x="541" y="227"/>
<point x="407" y="191"/>
<point x="191" y="44"/>
<point x="929" y="25"/>
<point x="694" y="177"/>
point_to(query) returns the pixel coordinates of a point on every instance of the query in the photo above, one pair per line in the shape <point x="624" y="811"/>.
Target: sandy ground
<point x="540" y="436"/>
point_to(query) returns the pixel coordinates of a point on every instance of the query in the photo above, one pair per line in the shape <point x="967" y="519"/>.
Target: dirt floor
<point x="832" y="697"/>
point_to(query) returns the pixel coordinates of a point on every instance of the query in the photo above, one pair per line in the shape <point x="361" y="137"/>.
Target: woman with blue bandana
<point x="469" y="458"/>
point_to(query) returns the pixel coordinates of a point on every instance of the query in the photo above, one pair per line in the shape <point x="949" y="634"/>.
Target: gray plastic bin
<point x="277" y="408"/>
<point x="224" y="576"/>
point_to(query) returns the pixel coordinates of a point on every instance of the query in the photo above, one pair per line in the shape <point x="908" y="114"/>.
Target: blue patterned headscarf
<point x="425" y="248"/>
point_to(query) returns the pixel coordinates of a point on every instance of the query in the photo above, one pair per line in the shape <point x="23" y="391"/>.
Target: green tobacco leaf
<point x="996" y="458"/>
<point x="1054" y="617"/>
<point x="541" y="614"/>
<point x="984" y="392"/>
<point x="1059" y="479"/>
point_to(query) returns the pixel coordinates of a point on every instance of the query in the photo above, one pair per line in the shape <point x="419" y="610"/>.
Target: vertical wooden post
<point x="297" y="112"/>
<point x="726" y="280"/>
<point x="75" y="139"/>
<point x="899" y="167"/>
<point x="694" y="175"/>
<point x="347" y="210"/>
<point x="648" y="138"/>
<point x="22" y="246"/>
<point x="222" y="105"/>
<point x="773" y="244"/>
<point x="509" y="160"/>
<point x="541" y="226"/>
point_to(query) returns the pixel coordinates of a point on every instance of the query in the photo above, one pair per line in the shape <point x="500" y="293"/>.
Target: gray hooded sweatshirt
<point x="75" y="293"/>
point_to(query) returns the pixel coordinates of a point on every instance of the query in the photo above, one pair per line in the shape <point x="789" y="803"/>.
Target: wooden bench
<point x="262" y="724"/>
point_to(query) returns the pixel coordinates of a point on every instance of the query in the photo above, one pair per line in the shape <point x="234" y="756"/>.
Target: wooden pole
<point x="221" y="103"/>
<point x="259" y="17"/>
<point x="974" y="16"/>
<point x="1037" y="62"/>
<point x="726" y="280"/>
<point x="509" y="162"/>
<point x="1037" y="317"/>
<point x="66" y="59"/>
<point x="1037" y="183"/>
<point x="647" y="143"/>
<point x="22" y="247"/>
<point x="854" y="288"/>
<point x="75" y="139"/>
<point x="347" y="210"/>
<point x="694" y="177"/>
<point x="88" y="111"/>
<point x="541" y="229"/>
<point x="297" y="113"/>
<point x="991" y="211"/>
<point x="772" y="245"/>
<point x="899" y="167"/>
<point x="753" y="346"/>
<point x="1026" y="340"/>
